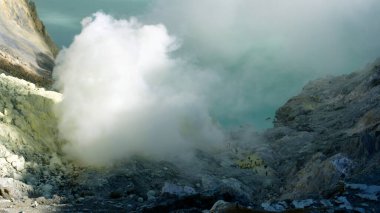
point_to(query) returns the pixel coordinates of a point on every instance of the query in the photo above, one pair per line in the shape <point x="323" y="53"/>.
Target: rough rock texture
<point x="26" y="50"/>
<point x="26" y="115"/>
<point x="322" y="155"/>
<point x="288" y="167"/>
<point x="330" y="132"/>
<point x="29" y="142"/>
<point x="310" y="161"/>
<point x="33" y="166"/>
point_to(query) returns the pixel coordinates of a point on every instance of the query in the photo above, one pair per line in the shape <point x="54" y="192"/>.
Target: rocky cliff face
<point x="333" y="116"/>
<point x="329" y="136"/>
<point x="30" y="147"/>
<point x="26" y="50"/>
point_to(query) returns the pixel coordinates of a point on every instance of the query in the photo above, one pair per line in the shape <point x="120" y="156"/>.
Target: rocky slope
<point x="328" y="137"/>
<point x="26" y="50"/>
<point x="29" y="142"/>
<point x="321" y="156"/>
<point x="335" y="119"/>
<point x="310" y="161"/>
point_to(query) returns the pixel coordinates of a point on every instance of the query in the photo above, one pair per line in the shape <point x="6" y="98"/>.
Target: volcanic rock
<point x="26" y="50"/>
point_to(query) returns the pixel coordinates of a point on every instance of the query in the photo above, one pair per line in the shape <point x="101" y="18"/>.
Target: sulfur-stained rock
<point x="32" y="119"/>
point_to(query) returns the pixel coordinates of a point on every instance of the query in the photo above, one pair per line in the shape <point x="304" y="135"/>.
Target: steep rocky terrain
<point x="298" y="164"/>
<point x="322" y="155"/>
<point x="26" y="50"/>
<point x="336" y="116"/>
<point x="29" y="143"/>
<point x="328" y="137"/>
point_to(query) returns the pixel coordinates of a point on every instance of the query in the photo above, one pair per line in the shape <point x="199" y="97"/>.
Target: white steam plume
<point x="125" y="95"/>
<point x="265" y="50"/>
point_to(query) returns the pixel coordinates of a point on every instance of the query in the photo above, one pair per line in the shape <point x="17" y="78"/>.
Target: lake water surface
<point x="262" y="52"/>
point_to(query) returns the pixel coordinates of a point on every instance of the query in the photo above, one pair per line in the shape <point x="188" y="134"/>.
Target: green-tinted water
<point x="263" y="52"/>
<point x="63" y="18"/>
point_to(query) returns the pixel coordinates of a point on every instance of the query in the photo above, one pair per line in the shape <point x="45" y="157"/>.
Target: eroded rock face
<point x="26" y="50"/>
<point x="29" y="141"/>
<point x="328" y="134"/>
<point x="27" y="113"/>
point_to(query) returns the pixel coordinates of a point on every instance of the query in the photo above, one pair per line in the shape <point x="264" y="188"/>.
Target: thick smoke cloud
<point x="234" y="62"/>
<point x="265" y="51"/>
<point x="124" y="95"/>
<point x="262" y="51"/>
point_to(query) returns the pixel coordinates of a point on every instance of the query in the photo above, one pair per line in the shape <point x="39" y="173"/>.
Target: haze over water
<point x="259" y="53"/>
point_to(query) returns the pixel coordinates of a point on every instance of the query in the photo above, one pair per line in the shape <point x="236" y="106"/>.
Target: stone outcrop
<point x="329" y="134"/>
<point x="26" y="114"/>
<point x="26" y="50"/>
<point x="29" y="141"/>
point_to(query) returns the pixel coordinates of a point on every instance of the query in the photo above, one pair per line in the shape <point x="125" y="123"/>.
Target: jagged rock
<point x="177" y="190"/>
<point x="227" y="186"/>
<point x="326" y="203"/>
<point x="4" y="192"/>
<point x="342" y="164"/>
<point x="301" y="204"/>
<point x="14" y="188"/>
<point x="221" y="206"/>
<point x="47" y="190"/>
<point x="369" y="192"/>
<point x="29" y="140"/>
<point x="274" y="207"/>
<point x="343" y="203"/>
<point x="4" y="151"/>
<point x="31" y="111"/>
<point x="328" y="133"/>
<point x="26" y="50"/>
<point x="151" y="195"/>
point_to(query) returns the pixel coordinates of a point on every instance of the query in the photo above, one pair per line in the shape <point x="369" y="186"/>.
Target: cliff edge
<point x="26" y="50"/>
<point x="329" y="135"/>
